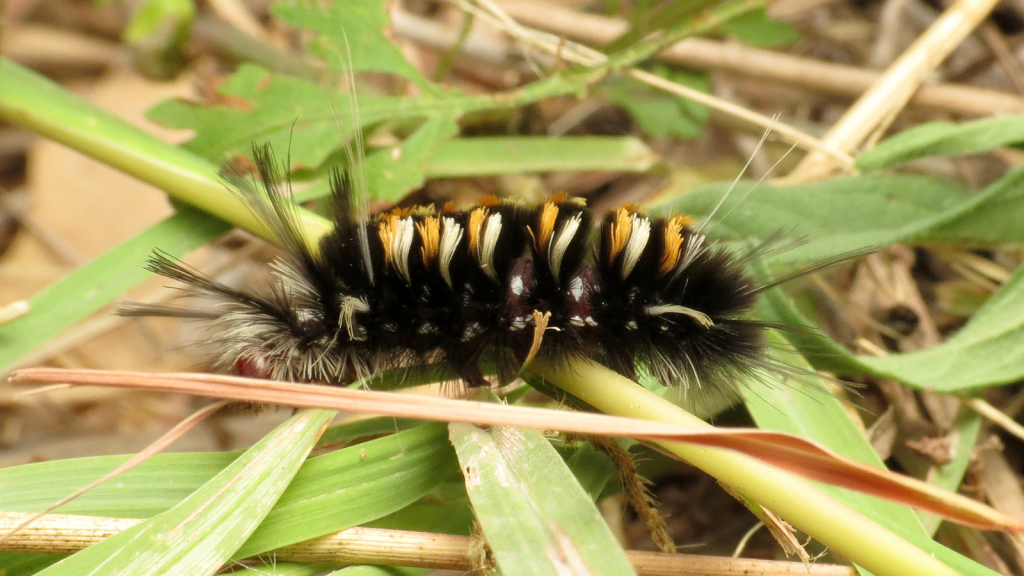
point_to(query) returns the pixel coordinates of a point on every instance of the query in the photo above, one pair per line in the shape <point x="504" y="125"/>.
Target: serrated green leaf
<point x="94" y="285"/>
<point x="536" y="517"/>
<point x="363" y="36"/>
<point x="199" y="534"/>
<point x="943" y="139"/>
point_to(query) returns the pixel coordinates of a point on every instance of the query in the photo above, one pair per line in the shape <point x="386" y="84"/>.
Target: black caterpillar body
<point x="459" y="288"/>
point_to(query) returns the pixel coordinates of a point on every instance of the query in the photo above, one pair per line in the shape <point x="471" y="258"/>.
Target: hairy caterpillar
<point x="458" y="289"/>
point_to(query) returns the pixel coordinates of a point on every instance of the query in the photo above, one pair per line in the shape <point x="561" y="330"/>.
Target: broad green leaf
<point x="536" y="517"/>
<point x="806" y="409"/>
<point x="338" y="490"/>
<point x="593" y="470"/>
<point x="203" y="531"/>
<point x="854" y="213"/>
<point x="377" y="426"/>
<point x="990" y="217"/>
<point x="943" y="139"/>
<point x="18" y="564"/>
<point x="94" y="285"/>
<point x="525" y="154"/>
<point x="142" y="492"/>
<point x="989" y="350"/>
<point x="380" y="477"/>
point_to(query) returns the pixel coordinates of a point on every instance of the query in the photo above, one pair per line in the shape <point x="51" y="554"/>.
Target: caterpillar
<point x="459" y="289"/>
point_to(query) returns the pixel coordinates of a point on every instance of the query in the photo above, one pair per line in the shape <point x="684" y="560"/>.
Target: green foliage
<point x="222" y="512"/>
<point x="757" y="29"/>
<point x="943" y="139"/>
<point x="536" y="517"/>
<point x="355" y="28"/>
<point x="853" y="213"/>
<point x="814" y="412"/>
<point x="650" y="17"/>
<point x="988" y="351"/>
<point x="381" y="481"/>
<point x="659" y="114"/>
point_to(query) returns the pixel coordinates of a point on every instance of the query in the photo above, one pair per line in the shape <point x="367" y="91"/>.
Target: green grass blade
<point x="380" y="477"/>
<point x="526" y="154"/>
<point x="18" y="564"/>
<point x="345" y="488"/>
<point x="812" y="412"/>
<point x="286" y="569"/>
<point x="94" y="285"/>
<point x="202" y="532"/>
<point x="943" y="139"/>
<point x="535" y="515"/>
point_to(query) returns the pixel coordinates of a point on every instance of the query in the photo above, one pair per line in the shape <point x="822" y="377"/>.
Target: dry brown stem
<point x="64" y="534"/>
<point x="878" y="107"/>
<point x="560" y="49"/>
<point x="712" y="55"/>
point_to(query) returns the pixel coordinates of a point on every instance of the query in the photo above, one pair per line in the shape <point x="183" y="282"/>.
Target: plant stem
<point x="799" y="502"/>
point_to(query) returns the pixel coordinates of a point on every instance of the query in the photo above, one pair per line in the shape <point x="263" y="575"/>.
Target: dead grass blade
<point x="784" y="451"/>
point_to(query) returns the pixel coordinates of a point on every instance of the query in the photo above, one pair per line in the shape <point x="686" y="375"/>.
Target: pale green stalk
<point x="798" y="501"/>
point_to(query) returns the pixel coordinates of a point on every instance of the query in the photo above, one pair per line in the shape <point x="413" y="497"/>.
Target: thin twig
<point x="735" y="58"/>
<point x="993" y="414"/>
